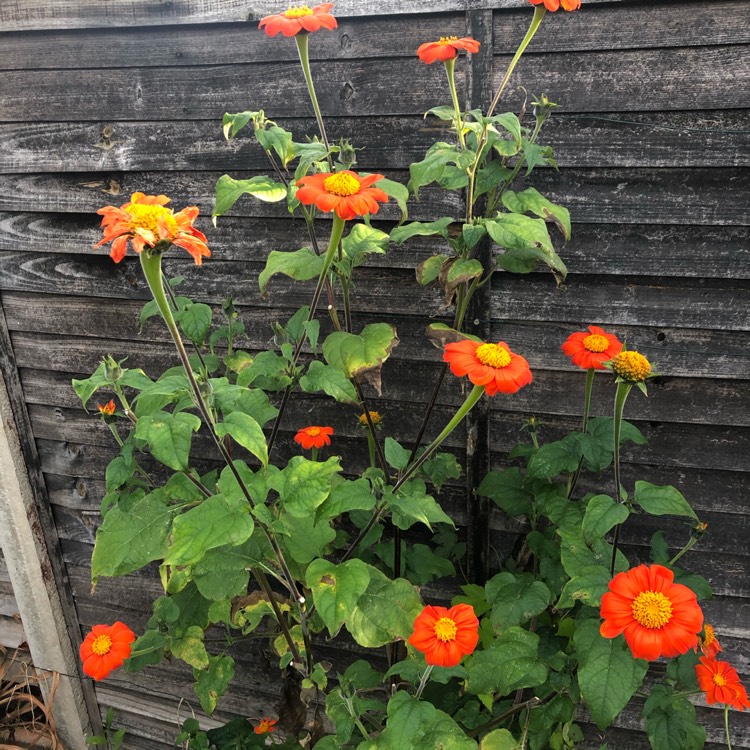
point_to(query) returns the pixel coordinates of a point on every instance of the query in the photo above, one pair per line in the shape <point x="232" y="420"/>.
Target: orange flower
<point x="591" y="350"/>
<point x="554" y="5"/>
<point x="445" y="636"/>
<point x="708" y="642"/>
<point x="344" y="192"/>
<point x="446" y="48"/>
<point x="265" y="725"/>
<point x="299" y="20"/>
<point x="659" y="617"/>
<point x="721" y="683"/>
<point x="632" y="367"/>
<point x="147" y="223"/>
<point x="314" y="437"/>
<point x="374" y="417"/>
<point x="494" y="366"/>
<point x="107" y="410"/>
<point x="105" y="648"/>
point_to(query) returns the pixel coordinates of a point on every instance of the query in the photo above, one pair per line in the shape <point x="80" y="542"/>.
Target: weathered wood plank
<point x="582" y="81"/>
<point x="653" y="139"/>
<point x="599" y="196"/>
<point x="597" y="28"/>
<point x="34" y="14"/>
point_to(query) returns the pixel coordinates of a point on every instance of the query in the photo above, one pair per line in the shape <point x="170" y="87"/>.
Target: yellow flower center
<point x="147" y="217"/>
<point x="374" y="416"/>
<point x="595" y="343"/>
<point x="101" y="645"/>
<point x="652" y="609"/>
<point x="342" y="184"/>
<point x="448" y="39"/>
<point x="295" y="12"/>
<point x="313" y="431"/>
<point x="631" y="366"/>
<point x="493" y="355"/>
<point x="445" y="630"/>
<point x="720" y="680"/>
<point x="708" y="635"/>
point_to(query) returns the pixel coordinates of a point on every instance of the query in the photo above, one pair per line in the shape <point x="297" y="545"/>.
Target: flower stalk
<point x="621" y="396"/>
<point x="584" y="424"/>
<point x="450" y="66"/>
<point x="304" y="58"/>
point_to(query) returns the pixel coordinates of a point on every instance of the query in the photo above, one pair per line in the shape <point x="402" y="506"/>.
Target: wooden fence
<point x="653" y="147"/>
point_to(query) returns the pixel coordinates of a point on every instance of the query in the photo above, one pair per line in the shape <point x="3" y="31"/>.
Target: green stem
<point x="726" y="727"/>
<point x="371" y="449"/>
<point x="465" y="408"/>
<point x="423" y="681"/>
<point x="623" y="389"/>
<point x="693" y="541"/>
<point x="336" y="231"/>
<point x="304" y="58"/>
<point x="449" y="69"/>
<point x="314" y="456"/>
<point x="539" y="12"/>
<point x="151" y="265"/>
<point x="584" y="424"/>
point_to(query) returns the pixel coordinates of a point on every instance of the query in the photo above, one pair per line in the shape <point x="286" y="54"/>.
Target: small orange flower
<point x="708" y="642"/>
<point x="299" y="19"/>
<point x="107" y="410"/>
<point x="632" y="367"/>
<point x="446" y="48"/>
<point x="554" y="5"/>
<point x="445" y="636"/>
<point x="344" y="192"/>
<point x="721" y="683"/>
<point x="659" y="617"/>
<point x="591" y="350"/>
<point x="313" y="437"/>
<point x="146" y="222"/>
<point x="265" y="725"/>
<point x="494" y="366"/>
<point x="105" y="649"/>
<point x="374" y="417"/>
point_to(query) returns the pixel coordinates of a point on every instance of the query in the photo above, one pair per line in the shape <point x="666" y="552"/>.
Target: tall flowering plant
<point x="299" y="549"/>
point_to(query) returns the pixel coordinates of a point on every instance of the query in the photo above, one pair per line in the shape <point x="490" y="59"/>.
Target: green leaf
<point x="128" y="540"/>
<point x="429" y="270"/>
<point x="413" y="505"/>
<point x="602" y="514"/>
<point x="336" y="589"/>
<point x="439" y="160"/>
<point x="515" y="600"/>
<point x="555" y="458"/>
<point x="662" y="501"/>
<point x="491" y="176"/>
<point x="499" y="739"/>
<point x="119" y="470"/>
<point x="511" y="662"/>
<point x="346" y="496"/>
<point x="276" y="139"/>
<point x="361" y="356"/>
<point x="305" y="539"/>
<point x="146" y="650"/>
<point x="598" y="442"/>
<point x="398" y="192"/>
<point x="441" y="334"/>
<point x="304" y="485"/>
<point x="223" y="571"/>
<point x="267" y="371"/>
<point x="300" y="265"/>
<point x="588" y="586"/>
<point x="195" y="321"/>
<point x="233" y="123"/>
<point x="309" y="154"/>
<point x="361" y="241"/>
<point x="608" y="674"/>
<point x="423" y="565"/>
<point x="441" y="467"/>
<point x="396" y="456"/>
<point x="505" y="489"/>
<point x="169" y="437"/>
<point x="189" y="647"/>
<point x="330" y="380"/>
<point x="247" y="432"/>
<point x="399" y="235"/>
<point x="210" y="683"/>
<point x="385" y="611"/>
<point x="85" y="389"/>
<point x="670" y="721"/>
<point x="229" y="191"/>
<point x="459" y="272"/>
<point x="526" y="242"/>
<point x="217" y="521"/>
<point x="472" y="233"/>
<point x="532" y="201"/>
